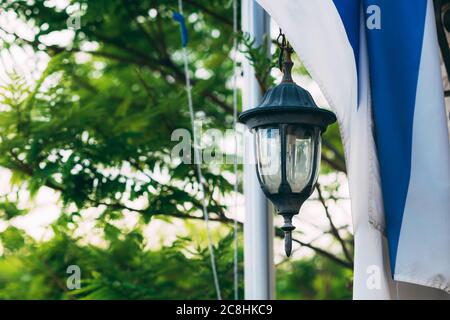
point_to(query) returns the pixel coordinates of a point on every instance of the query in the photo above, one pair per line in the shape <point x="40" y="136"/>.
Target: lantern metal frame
<point x="283" y="105"/>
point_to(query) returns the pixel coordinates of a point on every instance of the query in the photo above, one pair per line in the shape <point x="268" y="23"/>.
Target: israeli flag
<point x="378" y="64"/>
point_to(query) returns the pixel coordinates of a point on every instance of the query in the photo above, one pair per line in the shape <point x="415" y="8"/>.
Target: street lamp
<point x="287" y="128"/>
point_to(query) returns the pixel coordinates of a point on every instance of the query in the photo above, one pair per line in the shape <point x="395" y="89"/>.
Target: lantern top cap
<point x="290" y="104"/>
<point x="287" y="102"/>
<point x="287" y="93"/>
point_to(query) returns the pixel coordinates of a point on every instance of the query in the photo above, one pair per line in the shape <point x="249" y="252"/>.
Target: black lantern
<point x="287" y="128"/>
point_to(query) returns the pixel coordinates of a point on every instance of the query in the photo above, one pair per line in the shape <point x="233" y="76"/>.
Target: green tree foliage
<point x="313" y="278"/>
<point x="96" y="127"/>
<point x="121" y="270"/>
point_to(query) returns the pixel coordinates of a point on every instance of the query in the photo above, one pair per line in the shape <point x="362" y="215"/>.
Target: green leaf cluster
<point x="95" y="127"/>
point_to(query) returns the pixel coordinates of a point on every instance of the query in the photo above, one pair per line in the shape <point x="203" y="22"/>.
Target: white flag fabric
<point x="377" y="63"/>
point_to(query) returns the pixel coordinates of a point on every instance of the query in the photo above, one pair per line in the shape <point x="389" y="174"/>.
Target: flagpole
<point x="258" y="225"/>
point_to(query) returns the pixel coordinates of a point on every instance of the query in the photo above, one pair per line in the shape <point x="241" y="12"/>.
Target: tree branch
<point x="165" y="65"/>
<point x="338" y="163"/>
<point x="210" y="12"/>
<point x="334" y="230"/>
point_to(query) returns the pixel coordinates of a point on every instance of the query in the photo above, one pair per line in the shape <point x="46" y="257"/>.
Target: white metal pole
<point x="258" y="225"/>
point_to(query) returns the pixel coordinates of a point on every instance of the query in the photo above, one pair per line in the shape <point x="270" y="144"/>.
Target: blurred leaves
<point x="121" y="270"/>
<point x="313" y="278"/>
<point x="260" y="59"/>
<point x="12" y="239"/>
<point x="9" y="210"/>
<point x="96" y="127"/>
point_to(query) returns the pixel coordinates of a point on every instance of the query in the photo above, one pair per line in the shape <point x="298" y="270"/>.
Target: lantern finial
<point x="288" y="227"/>
<point x="287" y="64"/>
<point x="284" y="60"/>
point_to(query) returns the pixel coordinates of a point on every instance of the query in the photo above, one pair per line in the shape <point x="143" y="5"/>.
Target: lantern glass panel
<point x="300" y="156"/>
<point x="268" y="157"/>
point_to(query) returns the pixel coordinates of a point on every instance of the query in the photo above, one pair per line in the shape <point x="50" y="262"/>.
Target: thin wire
<point x="235" y="164"/>
<point x="198" y="165"/>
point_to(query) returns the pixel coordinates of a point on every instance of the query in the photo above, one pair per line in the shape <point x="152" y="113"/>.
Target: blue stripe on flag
<point x="394" y="57"/>
<point x="349" y="12"/>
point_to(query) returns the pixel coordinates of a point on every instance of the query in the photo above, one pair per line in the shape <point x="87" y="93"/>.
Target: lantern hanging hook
<point x="281" y="42"/>
<point x="285" y="63"/>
